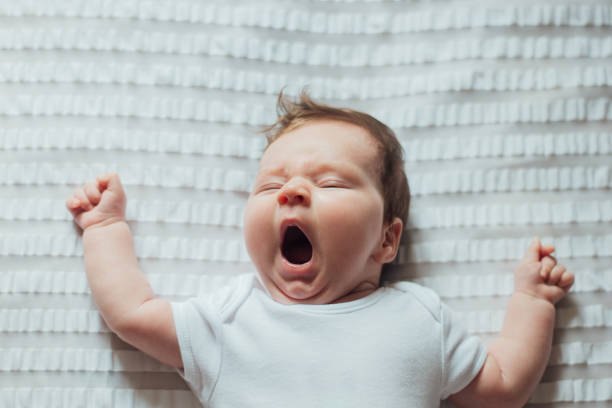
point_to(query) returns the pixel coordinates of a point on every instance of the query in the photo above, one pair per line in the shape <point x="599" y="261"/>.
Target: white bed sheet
<point x="503" y="109"/>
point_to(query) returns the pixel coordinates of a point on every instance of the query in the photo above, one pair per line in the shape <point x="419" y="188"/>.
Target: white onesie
<point x="397" y="347"/>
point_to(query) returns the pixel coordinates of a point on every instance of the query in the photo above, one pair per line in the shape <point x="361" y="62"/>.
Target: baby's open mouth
<point x="296" y="247"/>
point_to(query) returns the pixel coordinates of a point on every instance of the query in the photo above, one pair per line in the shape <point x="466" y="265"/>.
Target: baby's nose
<point x="294" y="195"/>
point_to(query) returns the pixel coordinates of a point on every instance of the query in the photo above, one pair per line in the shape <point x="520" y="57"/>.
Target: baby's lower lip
<point x="297" y="270"/>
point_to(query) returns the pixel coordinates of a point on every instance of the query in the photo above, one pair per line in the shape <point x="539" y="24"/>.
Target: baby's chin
<point x="297" y="291"/>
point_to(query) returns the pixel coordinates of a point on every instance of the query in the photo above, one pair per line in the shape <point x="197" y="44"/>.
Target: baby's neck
<point x="363" y="290"/>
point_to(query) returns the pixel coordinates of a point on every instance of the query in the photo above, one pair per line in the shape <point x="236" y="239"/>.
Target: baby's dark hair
<point x="393" y="180"/>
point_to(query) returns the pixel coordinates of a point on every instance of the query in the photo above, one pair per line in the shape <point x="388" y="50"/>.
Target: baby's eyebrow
<point x="343" y="168"/>
<point x="270" y="172"/>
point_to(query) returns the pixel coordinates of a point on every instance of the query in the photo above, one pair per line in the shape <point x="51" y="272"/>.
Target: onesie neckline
<point x="330" y="308"/>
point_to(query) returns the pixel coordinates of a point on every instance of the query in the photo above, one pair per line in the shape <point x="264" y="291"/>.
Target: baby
<point x="314" y="327"/>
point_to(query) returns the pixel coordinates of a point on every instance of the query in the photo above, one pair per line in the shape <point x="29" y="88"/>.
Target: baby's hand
<point x="540" y="276"/>
<point x="99" y="202"/>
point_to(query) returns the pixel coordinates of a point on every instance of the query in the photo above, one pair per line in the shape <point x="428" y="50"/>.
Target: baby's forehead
<point x="323" y="146"/>
<point x="331" y="130"/>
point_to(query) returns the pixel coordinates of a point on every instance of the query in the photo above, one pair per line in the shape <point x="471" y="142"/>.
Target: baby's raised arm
<point x="518" y="356"/>
<point x="119" y="288"/>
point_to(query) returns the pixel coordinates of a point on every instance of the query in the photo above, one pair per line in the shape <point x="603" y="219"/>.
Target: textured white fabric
<point x="397" y="347"/>
<point x="503" y="109"/>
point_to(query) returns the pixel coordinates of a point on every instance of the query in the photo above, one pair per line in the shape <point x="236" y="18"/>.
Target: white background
<point x="503" y="109"/>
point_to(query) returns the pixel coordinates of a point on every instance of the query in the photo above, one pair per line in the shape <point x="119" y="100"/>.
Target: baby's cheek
<point x="359" y="229"/>
<point x="258" y="230"/>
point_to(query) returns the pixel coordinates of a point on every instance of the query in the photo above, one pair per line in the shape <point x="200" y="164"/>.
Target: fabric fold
<point x="575" y="390"/>
<point x="88" y="321"/>
<point x="524" y="213"/>
<point x="349" y="86"/>
<point x="69" y="397"/>
<point x="352" y="20"/>
<point x="75" y="359"/>
<point x="502" y="249"/>
<point x="495" y="180"/>
<point x="87" y="38"/>
<point x="469" y="286"/>
<point x="490" y="321"/>
<point x="201" y="178"/>
<point x="185" y="285"/>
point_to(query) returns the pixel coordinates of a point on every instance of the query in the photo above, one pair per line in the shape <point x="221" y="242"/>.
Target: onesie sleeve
<point x="463" y="355"/>
<point x="199" y="331"/>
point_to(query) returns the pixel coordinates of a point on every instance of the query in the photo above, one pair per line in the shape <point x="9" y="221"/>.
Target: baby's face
<point x="314" y="220"/>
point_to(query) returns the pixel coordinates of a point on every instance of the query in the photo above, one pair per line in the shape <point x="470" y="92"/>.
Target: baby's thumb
<point x="533" y="251"/>
<point x="110" y="182"/>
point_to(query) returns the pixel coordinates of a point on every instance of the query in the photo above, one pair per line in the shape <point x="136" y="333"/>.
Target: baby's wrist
<point x="533" y="296"/>
<point x="105" y="223"/>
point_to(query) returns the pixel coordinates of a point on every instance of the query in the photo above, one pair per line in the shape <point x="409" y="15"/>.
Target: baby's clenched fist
<point x="540" y="276"/>
<point x="99" y="202"/>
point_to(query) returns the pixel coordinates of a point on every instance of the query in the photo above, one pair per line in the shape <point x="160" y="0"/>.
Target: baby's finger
<point x="74" y="206"/>
<point x="548" y="263"/>
<point x="92" y="192"/>
<point x="546" y="250"/>
<point x="533" y="251"/>
<point x="84" y="203"/>
<point x="567" y="280"/>
<point x="555" y="274"/>
<point x="103" y="180"/>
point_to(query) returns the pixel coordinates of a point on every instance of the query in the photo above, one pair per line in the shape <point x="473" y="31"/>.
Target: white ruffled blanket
<point x="503" y="108"/>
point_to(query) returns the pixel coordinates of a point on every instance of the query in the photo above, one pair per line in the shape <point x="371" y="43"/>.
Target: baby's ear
<point x="390" y="242"/>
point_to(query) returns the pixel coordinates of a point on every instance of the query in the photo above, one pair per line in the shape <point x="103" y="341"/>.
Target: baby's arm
<point x="518" y="356"/>
<point x="119" y="288"/>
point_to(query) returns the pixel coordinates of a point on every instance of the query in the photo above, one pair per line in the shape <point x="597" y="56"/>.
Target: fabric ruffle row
<point x="107" y="360"/>
<point x="516" y="112"/>
<point x="464" y="286"/>
<point x="191" y="249"/>
<point x="404" y="116"/>
<point x="90" y="321"/>
<point x="228" y="145"/>
<point x="524" y="213"/>
<point x="495" y="180"/>
<point x="581" y="353"/>
<point x="95" y="397"/>
<point x="75" y="283"/>
<point x="199" y="178"/>
<point x="187" y="285"/>
<point x="71" y="359"/>
<point x="84" y="37"/>
<point x="490" y="321"/>
<point x="51" y="321"/>
<point x="574" y="390"/>
<point x="503" y="249"/>
<point x="207" y="213"/>
<point x="43" y="281"/>
<point x="452" y="17"/>
<point x="348" y="86"/>
<point x="498" y="145"/>
<point x="43" y="209"/>
<point x="506" y="146"/>
<point x="421" y="217"/>
<point x="578" y="390"/>
<point x="199" y="249"/>
<point x="117" y="105"/>
<point x="233" y="250"/>
<point x="132" y="140"/>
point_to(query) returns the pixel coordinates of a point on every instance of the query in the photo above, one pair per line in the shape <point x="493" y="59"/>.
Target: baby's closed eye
<point x="268" y="187"/>
<point x="331" y="184"/>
